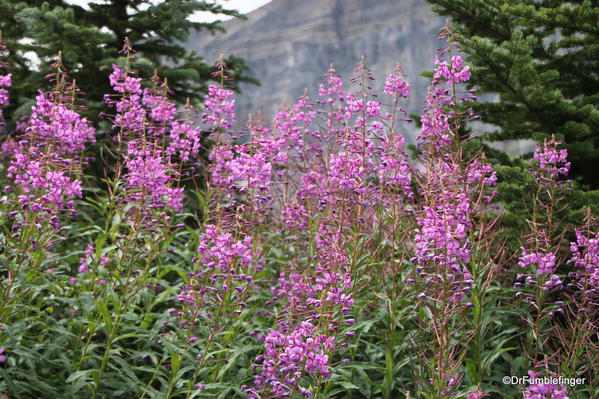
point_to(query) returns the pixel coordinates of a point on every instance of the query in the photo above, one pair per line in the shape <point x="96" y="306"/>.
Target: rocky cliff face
<point x="290" y="43"/>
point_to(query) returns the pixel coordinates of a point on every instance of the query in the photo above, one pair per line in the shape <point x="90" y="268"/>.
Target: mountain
<point x="290" y="44"/>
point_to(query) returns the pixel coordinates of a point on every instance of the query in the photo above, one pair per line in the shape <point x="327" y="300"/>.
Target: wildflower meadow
<point x="315" y="255"/>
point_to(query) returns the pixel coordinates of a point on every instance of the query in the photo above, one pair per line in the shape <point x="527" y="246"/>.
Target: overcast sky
<point x="243" y="6"/>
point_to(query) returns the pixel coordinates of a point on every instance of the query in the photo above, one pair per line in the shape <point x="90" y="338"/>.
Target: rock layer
<point x="289" y="45"/>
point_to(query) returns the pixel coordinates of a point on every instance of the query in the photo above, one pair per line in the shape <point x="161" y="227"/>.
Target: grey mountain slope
<point x="289" y="45"/>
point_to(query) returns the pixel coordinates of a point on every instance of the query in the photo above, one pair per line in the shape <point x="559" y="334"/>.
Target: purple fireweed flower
<point x="453" y="191"/>
<point x="394" y="170"/>
<point x="346" y="171"/>
<point x="50" y="189"/>
<point x="184" y="140"/>
<point x="554" y="282"/>
<point x="246" y="171"/>
<point x="354" y="105"/>
<point x="149" y="179"/>
<point x="476" y="394"/>
<point x="299" y="347"/>
<point x="130" y="118"/>
<point x="89" y="250"/>
<point x="9" y="148"/>
<point x="288" y="356"/>
<point x="438" y="124"/>
<point x="585" y="257"/>
<point x="441" y="242"/>
<point x="543" y="391"/>
<point x="436" y="129"/>
<point x="122" y="82"/>
<point x="545" y="261"/>
<point x="453" y="71"/>
<point x="46" y="164"/>
<point x="236" y="168"/>
<point x="5" y="81"/>
<point x="219" y="108"/>
<point x="153" y="144"/>
<point x="225" y="264"/>
<point x="294" y="216"/>
<point x="57" y="125"/>
<point x="373" y="109"/>
<point x="549" y="165"/>
<point x="221" y="250"/>
<point x="332" y="87"/>
<point x="140" y="113"/>
<point x="4" y="97"/>
<point x="550" y="161"/>
<point x="249" y="171"/>
<point x="395" y="85"/>
<point x="159" y="107"/>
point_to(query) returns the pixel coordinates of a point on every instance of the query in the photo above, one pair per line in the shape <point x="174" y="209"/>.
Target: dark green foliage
<point x="90" y="38"/>
<point x="542" y="59"/>
<point x="515" y="185"/>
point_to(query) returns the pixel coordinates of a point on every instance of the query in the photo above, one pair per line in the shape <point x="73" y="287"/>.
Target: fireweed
<point x="585" y="257"/>
<point x="313" y="177"/>
<point x="549" y="164"/>
<point x="541" y="256"/>
<point x="351" y="169"/>
<point x="542" y="391"/>
<point x="561" y="314"/>
<point x="151" y="149"/>
<point x="313" y="230"/>
<point x="576" y="332"/>
<point x="214" y="299"/>
<point x="455" y="189"/>
<point x="308" y="329"/>
<point x="45" y="171"/>
<point x="342" y="174"/>
<point x="46" y="164"/>
<point x="5" y="83"/>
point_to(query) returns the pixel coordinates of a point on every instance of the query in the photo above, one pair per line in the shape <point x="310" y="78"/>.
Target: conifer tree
<point x="541" y="58"/>
<point x="91" y="36"/>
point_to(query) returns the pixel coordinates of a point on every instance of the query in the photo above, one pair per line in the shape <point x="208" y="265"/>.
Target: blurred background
<point x="534" y="63"/>
<point x="290" y="44"/>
